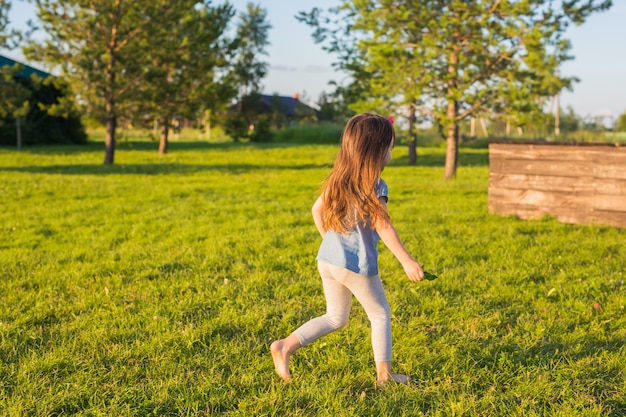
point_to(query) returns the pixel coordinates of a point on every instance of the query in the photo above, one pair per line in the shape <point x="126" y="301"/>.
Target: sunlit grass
<point x="154" y="287"/>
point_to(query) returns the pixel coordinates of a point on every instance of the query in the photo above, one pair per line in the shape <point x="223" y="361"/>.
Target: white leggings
<point x="339" y="286"/>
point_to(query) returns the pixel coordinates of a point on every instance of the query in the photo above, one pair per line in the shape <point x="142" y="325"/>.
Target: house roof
<point x="26" y="72"/>
<point x="290" y="105"/>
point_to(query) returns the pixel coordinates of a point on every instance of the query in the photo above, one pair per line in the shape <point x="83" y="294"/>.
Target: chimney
<point x="295" y="96"/>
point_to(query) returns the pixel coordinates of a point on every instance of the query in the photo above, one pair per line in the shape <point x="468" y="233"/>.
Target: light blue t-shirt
<point x="355" y="250"/>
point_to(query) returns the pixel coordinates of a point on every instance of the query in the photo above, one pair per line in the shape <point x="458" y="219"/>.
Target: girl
<point x="351" y="215"/>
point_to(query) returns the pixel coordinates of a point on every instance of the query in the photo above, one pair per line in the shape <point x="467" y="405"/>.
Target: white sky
<point x="298" y="65"/>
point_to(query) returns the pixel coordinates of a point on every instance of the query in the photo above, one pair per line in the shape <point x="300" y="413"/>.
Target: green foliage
<point x="335" y="107"/>
<point x="236" y="127"/>
<point x="277" y="113"/>
<point x="570" y="121"/>
<point x="452" y="60"/>
<point x="8" y="39"/>
<point x="46" y="116"/>
<point x="128" y="60"/>
<point x="155" y="286"/>
<point x="252" y="38"/>
<point x="5" y="7"/>
<point x="14" y="95"/>
<point x="186" y="49"/>
<point x="615" y="137"/>
<point x="246" y="74"/>
<point x="323" y="133"/>
<point x="97" y="47"/>
<point x="262" y="130"/>
<point x="243" y="116"/>
<point x="621" y="123"/>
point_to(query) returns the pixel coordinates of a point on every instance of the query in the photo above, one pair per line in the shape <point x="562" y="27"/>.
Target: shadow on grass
<point x="147" y="146"/>
<point x="152" y="169"/>
<point x="125" y="146"/>
<point x="426" y="158"/>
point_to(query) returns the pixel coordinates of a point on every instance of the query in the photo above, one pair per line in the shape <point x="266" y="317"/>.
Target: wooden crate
<point x="579" y="183"/>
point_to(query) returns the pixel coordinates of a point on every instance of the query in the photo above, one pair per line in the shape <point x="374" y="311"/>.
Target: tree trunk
<point x="165" y="129"/>
<point x="110" y="112"/>
<point x="452" y="150"/>
<point x="484" y="126"/>
<point x="557" y="116"/>
<point x="109" y="140"/>
<point x="110" y="126"/>
<point x="452" y="136"/>
<point x="412" y="137"/>
<point x="18" y="126"/>
<point x="207" y="124"/>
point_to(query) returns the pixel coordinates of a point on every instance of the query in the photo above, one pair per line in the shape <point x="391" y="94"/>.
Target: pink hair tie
<point x="390" y="118"/>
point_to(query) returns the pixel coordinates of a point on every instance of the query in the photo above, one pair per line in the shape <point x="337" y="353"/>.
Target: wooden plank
<point x="611" y="186"/>
<point x="542" y="182"/>
<point x="558" y="200"/>
<point x="599" y="154"/>
<point x="541" y="167"/>
<point x="557" y="168"/>
<point x="539" y="198"/>
<point x="564" y="214"/>
<point x="610" y="218"/>
<point x="610" y="171"/>
<point x="558" y="183"/>
<point x="571" y="215"/>
<point x="609" y="202"/>
<point x="559" y="205"/>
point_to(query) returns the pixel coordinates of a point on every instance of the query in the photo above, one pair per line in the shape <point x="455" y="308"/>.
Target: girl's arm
<point x="318" y="209"/>
<point x="390" y="238"/>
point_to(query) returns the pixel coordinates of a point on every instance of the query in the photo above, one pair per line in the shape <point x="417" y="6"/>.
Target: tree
<point x="248" y="70"/>
<point x="453" y="59"/>
<point x="328" y="108"/>
<point x="243" y="116"/>
<point x="5" y="6"/>
<point x="8" y="38"/>
<point x="570" y="122"/>
<point x="96" y="45"/>
<point x="14" y="98"/>
<point x="252" y="39"/>
<point x="621" y="123"/>
<point x="45" y="113"/>
<point x="184" y="50"/>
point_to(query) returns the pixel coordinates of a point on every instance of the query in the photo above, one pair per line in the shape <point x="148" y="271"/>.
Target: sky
<point x="298" y="65"/>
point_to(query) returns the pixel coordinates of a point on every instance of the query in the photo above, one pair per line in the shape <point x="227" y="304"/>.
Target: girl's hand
<point x="413" y="270"/>
<point x="390" y="238"/>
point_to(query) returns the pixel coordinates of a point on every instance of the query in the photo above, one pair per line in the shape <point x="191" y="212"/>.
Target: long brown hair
<point x="349" y="193"/>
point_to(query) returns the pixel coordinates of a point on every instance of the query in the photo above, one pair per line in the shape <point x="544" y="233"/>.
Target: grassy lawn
<point x="154" y="287"/>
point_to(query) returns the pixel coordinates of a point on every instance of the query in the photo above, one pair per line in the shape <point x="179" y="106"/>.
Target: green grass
<point x="154" y="287"/>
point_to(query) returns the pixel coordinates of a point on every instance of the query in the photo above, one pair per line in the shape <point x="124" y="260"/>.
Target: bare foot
<point x="281" y="355"/>
<point x="397" y="378"/>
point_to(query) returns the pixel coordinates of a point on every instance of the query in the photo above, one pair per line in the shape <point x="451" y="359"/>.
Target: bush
<point x="39" y="127"/>
<point x="621" y="123"/>
<point x="262" y="131"/>
<point x="615" y="137"/>
<point x="325" y="133"/>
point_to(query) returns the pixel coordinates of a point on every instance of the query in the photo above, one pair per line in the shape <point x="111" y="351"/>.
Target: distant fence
<point x="579" y="183"/>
